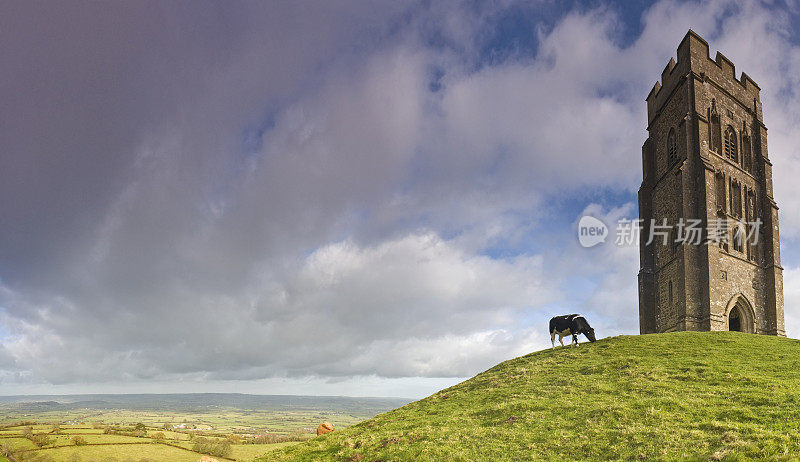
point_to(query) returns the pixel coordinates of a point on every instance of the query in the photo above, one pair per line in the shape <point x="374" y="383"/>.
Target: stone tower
<point x="705" y="167"/>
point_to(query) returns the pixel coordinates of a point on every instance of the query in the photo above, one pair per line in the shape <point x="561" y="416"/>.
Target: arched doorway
<point x="740" y="316"/>
<point x="735" y="320"/>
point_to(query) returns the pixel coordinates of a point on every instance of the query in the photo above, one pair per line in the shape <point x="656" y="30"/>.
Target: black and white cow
<point x="571" y="324"/>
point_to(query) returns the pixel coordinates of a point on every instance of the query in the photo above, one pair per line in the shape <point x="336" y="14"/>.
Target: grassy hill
<point x="686" y="395"/>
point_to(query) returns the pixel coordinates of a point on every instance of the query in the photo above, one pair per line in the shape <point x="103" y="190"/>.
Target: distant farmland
<point x="169" y="427"/>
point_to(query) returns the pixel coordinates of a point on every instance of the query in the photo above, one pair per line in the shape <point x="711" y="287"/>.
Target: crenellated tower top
<point x="694" y="57"/>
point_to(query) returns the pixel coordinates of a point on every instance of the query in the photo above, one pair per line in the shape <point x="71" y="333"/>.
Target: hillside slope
<point x="667" y="396"/>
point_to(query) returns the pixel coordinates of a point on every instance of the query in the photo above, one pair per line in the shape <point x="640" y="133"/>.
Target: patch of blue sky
<point x="512" y="33"/>
<point x="790" y="252"/>
<point x="552" y="229"/>
<point x="568" y="208"/>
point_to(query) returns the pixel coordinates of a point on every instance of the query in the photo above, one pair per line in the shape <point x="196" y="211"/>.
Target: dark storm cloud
<point x="86" y="85"/>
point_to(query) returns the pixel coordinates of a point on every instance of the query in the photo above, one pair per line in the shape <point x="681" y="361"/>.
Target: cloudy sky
<point x="357" y="198"/>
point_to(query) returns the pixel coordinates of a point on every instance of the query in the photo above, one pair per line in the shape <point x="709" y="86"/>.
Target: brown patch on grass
<point x="729" y="437"/>
<point x="388" y="441"/>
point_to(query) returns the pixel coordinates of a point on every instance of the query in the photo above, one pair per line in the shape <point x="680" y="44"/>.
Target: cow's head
<point x="590" y="335"/>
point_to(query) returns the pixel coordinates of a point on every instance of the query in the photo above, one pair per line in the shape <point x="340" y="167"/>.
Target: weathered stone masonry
<point x="706" y="158"/>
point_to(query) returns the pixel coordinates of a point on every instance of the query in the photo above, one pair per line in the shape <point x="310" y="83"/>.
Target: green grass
<point x="66" y="440"/>
<point x="14" y="444"/>
<point x="251" y="451"/>
<point x="128" y="448"/>
<point x="169" y="434"/>
<point x="679" y="396"/>
<point x="81" y="431"/>
<point x="128" y="452"/>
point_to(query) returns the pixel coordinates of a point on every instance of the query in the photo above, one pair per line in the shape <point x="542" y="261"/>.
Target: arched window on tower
<point x="747" y="155"/>
<point x="720" y="192"/>
<point x="716" y="145"/>
<point x="672" y="147"/>
<point x="735" y="189"/>
<point x="752" y="231"/>
<point x="731" y="148"/>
